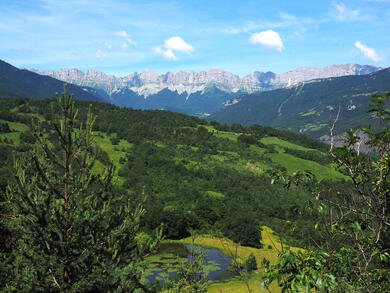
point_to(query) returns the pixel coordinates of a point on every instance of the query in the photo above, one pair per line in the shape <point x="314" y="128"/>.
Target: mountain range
<point x="149" y="82"/>
<point x="195" y="93"/>
<point x="292" y="101"/>
<point x="306" y="107"/>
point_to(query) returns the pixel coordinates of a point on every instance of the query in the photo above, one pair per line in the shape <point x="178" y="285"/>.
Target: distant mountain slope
<point x="305" y="108"/>
<point x="16" y="82"/>
<point x="201" y="103"/>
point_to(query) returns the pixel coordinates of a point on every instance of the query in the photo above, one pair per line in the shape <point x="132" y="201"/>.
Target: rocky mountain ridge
<point x="148" y="83"/>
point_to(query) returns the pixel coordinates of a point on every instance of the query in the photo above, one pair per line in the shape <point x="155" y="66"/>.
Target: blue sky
<point x="120" y="37"/>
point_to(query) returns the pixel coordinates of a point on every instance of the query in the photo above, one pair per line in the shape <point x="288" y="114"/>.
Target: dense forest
<point x="189" y="174"/>
<point x="196" y="175"/>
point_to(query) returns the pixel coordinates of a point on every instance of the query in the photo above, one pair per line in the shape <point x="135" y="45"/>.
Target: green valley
<point x="195" y="177"/>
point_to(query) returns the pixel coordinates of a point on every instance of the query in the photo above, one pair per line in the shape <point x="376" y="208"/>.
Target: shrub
<point x="251" y="264"/>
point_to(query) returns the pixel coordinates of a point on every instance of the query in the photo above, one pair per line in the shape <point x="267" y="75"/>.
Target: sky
<point x="124" y="36"/>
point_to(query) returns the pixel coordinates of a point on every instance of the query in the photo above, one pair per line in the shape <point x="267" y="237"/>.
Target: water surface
<point x="171" y="255"/>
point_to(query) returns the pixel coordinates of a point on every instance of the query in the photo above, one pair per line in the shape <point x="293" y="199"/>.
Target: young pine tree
<point x="251" y="264"/>
<point x="72" y="231"/>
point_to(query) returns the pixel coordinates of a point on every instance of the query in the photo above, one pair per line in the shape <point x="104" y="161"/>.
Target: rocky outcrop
<point x="360" y="146"/>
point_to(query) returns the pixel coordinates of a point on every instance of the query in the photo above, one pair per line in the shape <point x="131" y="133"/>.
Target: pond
<point x="170" y="255"/>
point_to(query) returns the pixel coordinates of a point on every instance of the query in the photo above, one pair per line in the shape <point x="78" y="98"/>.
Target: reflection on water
<point x="170" y="255"/>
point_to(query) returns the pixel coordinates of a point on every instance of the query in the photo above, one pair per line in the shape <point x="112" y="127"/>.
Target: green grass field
<point x="115" y="152"/>
<point x="283" y="143"/>
<point x="228" y="135"/>
<point x="292" y="163"/>
<point x="14" y="136"/>
<point x="16" y="126"/>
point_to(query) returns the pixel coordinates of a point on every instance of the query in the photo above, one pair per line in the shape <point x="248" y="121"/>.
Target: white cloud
<point x="167" y="53"/>
<point x="100" y="54"/>
<point x="342" y="13"/>
<point x="125" y="36"/>
<point x="370" y="53"/>
<point x="231" y="31"/>
<point x="282" y="20"/>
<point x="125" y="46"/>
<point x="269" y="39"/>
<point x="178" y="44"/>
<point x="172" y="45"/>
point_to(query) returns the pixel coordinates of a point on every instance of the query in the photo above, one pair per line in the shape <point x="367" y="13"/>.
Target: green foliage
<point x="243" y="228"/>
<point x="298" y="272"/>
<point x="378" y="106"/>
<point x="185" y="166"/>
<point x="251" y="264"/>
<point x="27" y="137"/>
<point x="102" y="156"/>
<point x="352" y="254"/>
<point x="4" y="128"/>
<point x="71" y="229"/>
<point x="247" y="139"/>
<point x="114" y="140"/>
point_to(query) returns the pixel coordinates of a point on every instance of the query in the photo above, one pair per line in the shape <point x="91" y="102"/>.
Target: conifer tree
<point x="72" y="231"/>
<point x="251" y="264"/>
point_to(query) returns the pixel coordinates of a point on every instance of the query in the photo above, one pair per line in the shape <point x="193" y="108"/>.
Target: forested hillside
<point x="305" y="107"/>
<point x="196" y="175"/>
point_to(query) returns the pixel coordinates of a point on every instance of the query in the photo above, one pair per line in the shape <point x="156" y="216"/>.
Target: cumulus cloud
<point x="172" y="45"/>
<point x="178" y="44"/>
<point x="368" y="52"/>
<point x="125" y="36"/>
<point x="100" y="54"/>
<point x="269" y="39"/>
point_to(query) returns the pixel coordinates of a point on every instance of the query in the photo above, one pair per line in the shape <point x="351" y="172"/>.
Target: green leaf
<point x="356" y="226"/>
